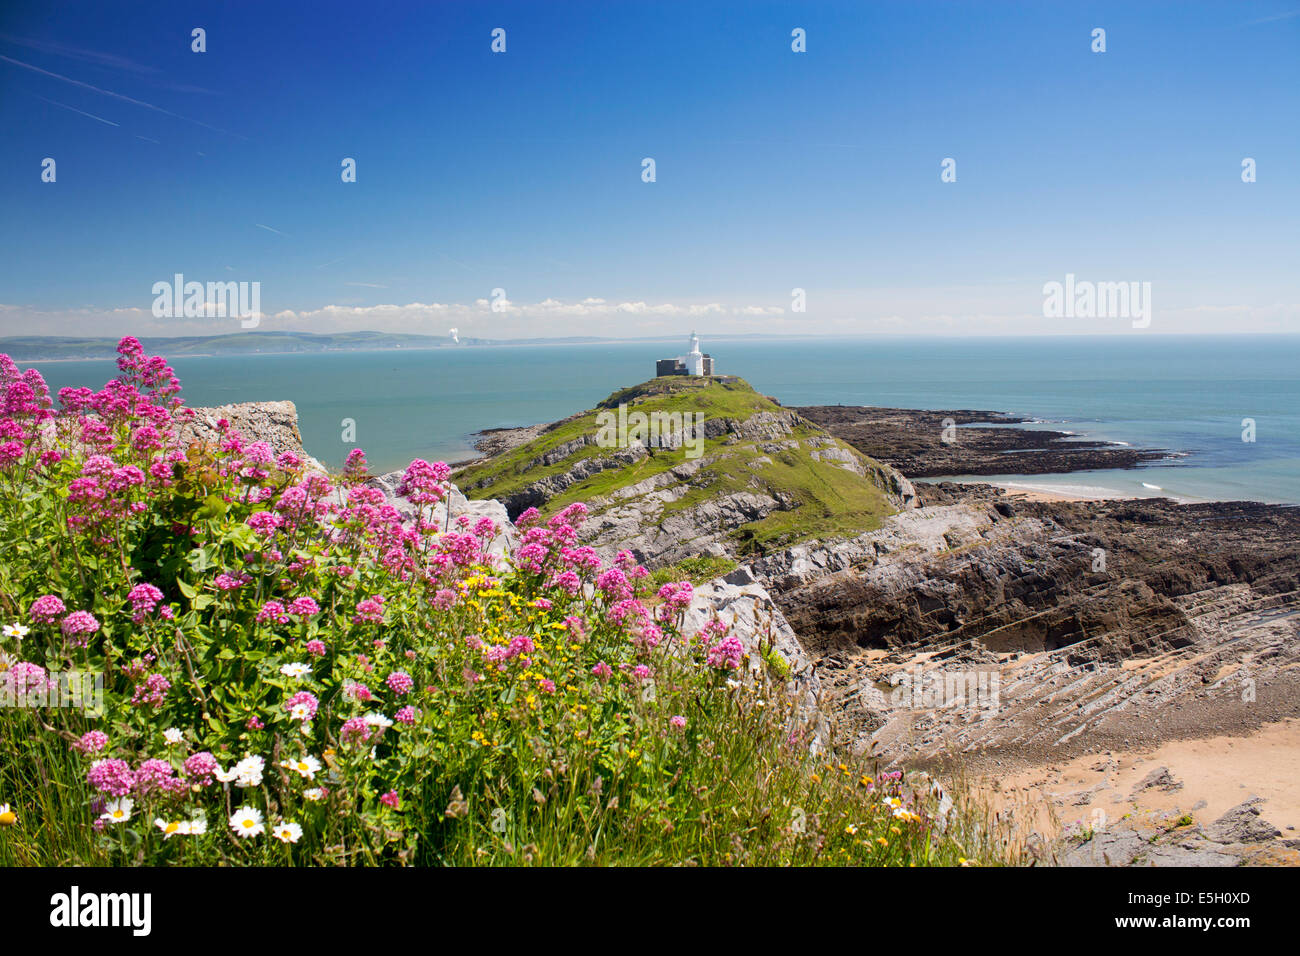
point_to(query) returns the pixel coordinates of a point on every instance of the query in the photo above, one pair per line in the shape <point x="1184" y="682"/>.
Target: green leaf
<point x="214" y="506"/>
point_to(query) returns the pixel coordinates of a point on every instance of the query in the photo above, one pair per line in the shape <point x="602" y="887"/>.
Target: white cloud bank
<point x="996" y="310"/>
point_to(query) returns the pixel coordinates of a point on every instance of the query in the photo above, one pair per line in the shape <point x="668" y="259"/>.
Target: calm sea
<point x="1182" y="394"/>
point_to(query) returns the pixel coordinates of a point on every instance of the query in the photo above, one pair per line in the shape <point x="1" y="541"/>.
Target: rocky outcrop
<point x="275" y="423"/>
<point x="1114" y="624"/>
<point x="1240" y="837"/>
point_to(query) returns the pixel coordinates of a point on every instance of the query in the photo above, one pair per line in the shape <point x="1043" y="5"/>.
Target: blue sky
<point x="775" y="169"/>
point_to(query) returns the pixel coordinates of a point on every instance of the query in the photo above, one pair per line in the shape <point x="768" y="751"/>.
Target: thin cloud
<point x="109" y="60"/>
<point x="118" y="96"/>
<point x="98" y="119"/>
<point x="268" y="229"/>
<point x="1277" y="16"/>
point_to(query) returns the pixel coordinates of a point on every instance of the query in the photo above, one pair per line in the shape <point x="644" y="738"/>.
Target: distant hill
<point x="32" y="348"/>
<point x="761" y="478"/>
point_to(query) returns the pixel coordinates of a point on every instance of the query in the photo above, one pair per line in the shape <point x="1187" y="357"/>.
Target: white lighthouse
<point x="692" y="363"/>
<point x="695" y="358"/>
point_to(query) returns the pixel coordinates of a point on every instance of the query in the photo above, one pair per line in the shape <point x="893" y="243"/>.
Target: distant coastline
<point x="70" y="348"/>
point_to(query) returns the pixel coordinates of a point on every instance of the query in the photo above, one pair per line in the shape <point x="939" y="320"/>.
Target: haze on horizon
<point x="775" y="170"/>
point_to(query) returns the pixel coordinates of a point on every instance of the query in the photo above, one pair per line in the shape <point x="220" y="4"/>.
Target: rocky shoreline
<point x="929" y="444"/>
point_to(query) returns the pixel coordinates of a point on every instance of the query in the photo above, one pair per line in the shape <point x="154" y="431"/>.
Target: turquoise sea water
<point x="1185" y="394"/>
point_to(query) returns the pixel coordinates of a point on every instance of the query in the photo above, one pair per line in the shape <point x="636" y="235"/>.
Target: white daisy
<point x="300" y="712"/>
<point x="172" y="735"/>
<point x="171" y="828"/>
<point x="16" y="630"/>
<point x="117" y="811"/>
<point x="225" y="776"/>
<point x="288" y="832"/>
<point x="248" y="772"/>
<point x="377" y="720"/>
<point x="315" y="794"/>
<point x="198" y="826"/>
<point x="247" y="822"/>
<point x="305" y="767"/>
<point x="296" y="670"/>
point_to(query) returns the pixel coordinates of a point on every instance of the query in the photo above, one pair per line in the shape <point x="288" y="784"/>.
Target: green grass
<point x="696" y="570"/>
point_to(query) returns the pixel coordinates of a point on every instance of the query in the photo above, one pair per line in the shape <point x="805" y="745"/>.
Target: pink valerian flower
<point x="548" y="686"/>
<point x="542" y="604"/>
<point x="407" y="715"/>
<point x="614" y="583"/>
<point x="259" y="453"/>
<point x="641" y="672"/>
<point x="471" y="676"/>
<point x="572" y="515"/>
<point x="153" y="775"/>
<point x="355" y="731"/>
<point x="304" y="607"/>
<point x="315" y="648"/>
<point x="527" y="519"/>
<point x="520" y="644"/>
<point x="265" y="523"/>
<point x="649" y="637"/>
<point x="144" y="600"/>
<point x="676" y="597"/>
<point x="444" y="599"/>
<point x="585" y="558"/>
<point x="576" y="627"/>
<point x="151" y="691"/>
<point x="254" y="723"/>
<point x="390" y="799"/>
<point x="726" y="654"/>
<point x="370" y="610"/>
<point x="201" y="768"/>
<point x="531" y="557"/>
<point x="288" y="461"/>
<point x="424" y="483"/>
<point x="713" y="628"/>
<point x="272" y="611"/>
<point x="567" y="581"/>
<point x="678" y="721"/>
<point x="111" y="776"/>
<point x="226" y="582"/>
<point x="603" y="671"/>
<point x="25" y="679"/>
<point x="400" y="682"/>
<point x="46" y="609"/>
<point x="355" y="691"/>
<point x="92" y="742"/>
<point x="629" y="608"/>
<point x="302" y="706"/>
<point x="355" y="468"/>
